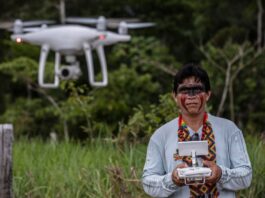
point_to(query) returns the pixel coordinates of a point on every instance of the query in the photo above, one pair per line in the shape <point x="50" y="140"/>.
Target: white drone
<point x="72" y="40"/>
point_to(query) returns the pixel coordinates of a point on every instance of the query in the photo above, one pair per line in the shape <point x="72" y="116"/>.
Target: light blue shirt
<point x="231" y="157"/>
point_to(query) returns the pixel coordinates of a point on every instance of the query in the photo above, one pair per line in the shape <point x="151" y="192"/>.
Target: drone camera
<point x="69" y="72"/>
<point x="65" y="72"/>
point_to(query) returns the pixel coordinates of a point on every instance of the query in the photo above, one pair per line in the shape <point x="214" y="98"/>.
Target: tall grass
<point x="256" y="150"/>
<point x="97" y="169"/>
<point x="71" y="170"/>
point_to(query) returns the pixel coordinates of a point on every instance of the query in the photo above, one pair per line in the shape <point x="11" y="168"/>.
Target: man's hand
<point x="216" y="172"/>
<point x="175" y="176"/>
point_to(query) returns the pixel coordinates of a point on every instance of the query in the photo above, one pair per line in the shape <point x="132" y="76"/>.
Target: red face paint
<point x="201" y="99"/>
<point x="183" y="99"/>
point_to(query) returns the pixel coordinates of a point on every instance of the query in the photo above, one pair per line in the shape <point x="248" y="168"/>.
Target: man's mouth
<point x="192" y="104"/>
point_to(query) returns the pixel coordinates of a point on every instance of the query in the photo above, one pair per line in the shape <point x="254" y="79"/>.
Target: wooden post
<point x="6" y="140"/>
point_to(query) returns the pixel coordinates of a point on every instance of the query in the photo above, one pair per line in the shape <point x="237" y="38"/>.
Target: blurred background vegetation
<point x="225" y="37"/>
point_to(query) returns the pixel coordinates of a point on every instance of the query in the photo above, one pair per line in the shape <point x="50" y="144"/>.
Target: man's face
<point x="191" y="97"/>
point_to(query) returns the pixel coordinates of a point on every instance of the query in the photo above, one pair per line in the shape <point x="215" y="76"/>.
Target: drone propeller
<point x="109" y="21"/>
<point x="123" y="26"/>
<point x="102" y="22"/>
<point x="81" y="20"/>
<point x="18" y="26"/>
<point x="6" y="24"/>
<point x="35" y="29"/>
<point x="36" y="23"/>
<point x="32" y="29"/>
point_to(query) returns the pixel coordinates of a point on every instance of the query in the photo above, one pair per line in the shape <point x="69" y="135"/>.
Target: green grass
<point x="256" y="150"/>
<point x="98" y="169"/>
<point x="71" y="170"/>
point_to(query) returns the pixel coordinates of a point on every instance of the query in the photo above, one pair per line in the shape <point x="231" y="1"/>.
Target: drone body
<point x="70" y="41"/>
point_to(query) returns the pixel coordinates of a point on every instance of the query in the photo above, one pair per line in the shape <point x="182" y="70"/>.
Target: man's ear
<point x="174" y="95"/>
<point x="208" y="95"/>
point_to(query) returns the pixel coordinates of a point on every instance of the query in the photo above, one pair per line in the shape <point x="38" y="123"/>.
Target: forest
<point x="82" y="127"/>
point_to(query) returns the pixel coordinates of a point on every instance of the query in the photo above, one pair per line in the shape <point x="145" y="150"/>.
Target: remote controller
<point x="194" y="172"/>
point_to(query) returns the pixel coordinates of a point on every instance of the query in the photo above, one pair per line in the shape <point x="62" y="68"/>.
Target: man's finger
<point x="176" y="179"/>
<point x="175" y="176"/>
<point x="182" y="165"/>
<point x="216" y="174"/>
<point x="208" y="163"/>
<point x="210" y="179"/>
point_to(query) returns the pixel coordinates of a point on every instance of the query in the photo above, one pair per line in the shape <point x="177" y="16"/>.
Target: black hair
<point x="191" y="70"/>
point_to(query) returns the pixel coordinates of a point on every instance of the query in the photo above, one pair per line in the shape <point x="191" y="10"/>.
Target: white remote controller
<point x="194" y="172"/>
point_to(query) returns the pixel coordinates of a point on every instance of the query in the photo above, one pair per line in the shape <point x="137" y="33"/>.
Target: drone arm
<point x="90" y="65"/>
<point x="42" y="63"/>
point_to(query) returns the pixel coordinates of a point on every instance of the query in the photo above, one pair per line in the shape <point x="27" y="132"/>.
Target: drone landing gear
<point x="90" y="66"/>
<point x="43" y="57"/>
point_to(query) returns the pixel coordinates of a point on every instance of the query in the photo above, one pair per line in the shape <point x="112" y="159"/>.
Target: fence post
<point x="6" y="141"/>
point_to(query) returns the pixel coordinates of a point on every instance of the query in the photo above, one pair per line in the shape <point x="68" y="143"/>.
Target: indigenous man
<point x="228" y="158"/>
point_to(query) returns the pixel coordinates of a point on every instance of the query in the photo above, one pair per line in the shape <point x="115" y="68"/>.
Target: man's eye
<point x="191" y="90"/>
<point x="198" y="91"/>
<point x="184" y="91"/>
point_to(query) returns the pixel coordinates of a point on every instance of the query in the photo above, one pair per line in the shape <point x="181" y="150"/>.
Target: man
<point x="228" y="158"/>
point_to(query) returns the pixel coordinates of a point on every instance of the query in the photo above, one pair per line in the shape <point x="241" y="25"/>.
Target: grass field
<point x="71" y="170"/>
<point x="97" y="169"/>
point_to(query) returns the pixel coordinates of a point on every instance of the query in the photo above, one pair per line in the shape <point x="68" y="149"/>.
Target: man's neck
<point x="194" y="121"/>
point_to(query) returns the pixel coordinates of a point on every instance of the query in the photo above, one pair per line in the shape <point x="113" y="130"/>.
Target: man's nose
<point x="191" y="93"/>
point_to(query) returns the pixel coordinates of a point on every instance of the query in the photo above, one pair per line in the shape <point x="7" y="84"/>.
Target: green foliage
<point x="76" y="110"/>
<point x="142" y="50"/>
<point x="99" y="112"/>
<point x="218" y="21"/>
<point x="27" y="116"/>
<point x="146" y="119"/>
<point x="147" y="55"/>
<point x="15" y="50"/>
<point x="13" y="8"/>
<point x="236" y="34"/>
<point x="246" y="79"/>
<point x="24" y="69"/>
<point x="20" y="69"/>
<point x="31" y="114"/>
<point x="126" y="89"/>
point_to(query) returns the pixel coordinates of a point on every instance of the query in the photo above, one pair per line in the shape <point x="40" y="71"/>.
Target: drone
<point x="71" y="39"/>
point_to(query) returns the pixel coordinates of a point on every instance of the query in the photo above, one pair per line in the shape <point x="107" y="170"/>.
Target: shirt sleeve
<point x="239" y="175"/>
<point x="156" y="182"/>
